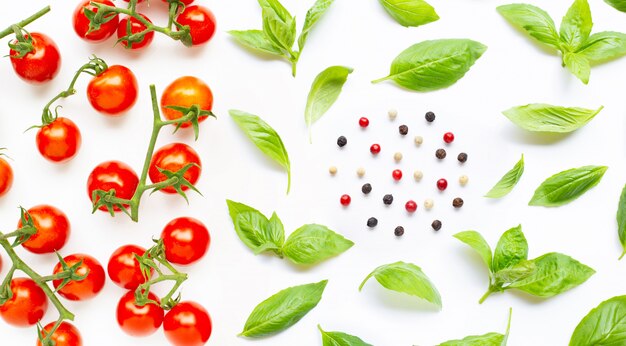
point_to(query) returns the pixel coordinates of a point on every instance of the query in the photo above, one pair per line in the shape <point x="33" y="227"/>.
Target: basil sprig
<point x="509" y="266"/>
<point x="566" y="186"/>
<point x="539" y="117"/>
<point x="604" y="325"/>
<point x="489" y="339"/>
<point x="579" y="49"/>
<point x="340" y="339"/>
<point x="508" y="181"/>
<point x="410" y="12"/>
<point x="308" y="245"/>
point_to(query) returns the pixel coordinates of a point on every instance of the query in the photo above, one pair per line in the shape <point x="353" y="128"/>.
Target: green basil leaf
<point x="478" y="243"/>
<point x="254" y="229"/>
<point x="324" y="92"/>
<point x="619" y="5"/>
<point x="489" y="339"/>
<point x="535" y="21"/>
<point x="340" y="339"/>
<point x="265" y="138"/>
<point x="508" y="181"/>
<point x="313" y="15"/>
<point x="621" y="221"/>
<point x="604" y="46"/>
<point x="541" y="117"/>
<point x="555" y="273"/>
<point x="256" y="39"/>
<point x="276" y="231"/>
<point x="515" y="273"/>
<point x="278" y="24"/>
<point x="283" y="309"/>
<point x="311" y="244"/>
<point x="512" y="248"/>
<point x="406" y="278"/>
<point x="567" y="186"/>
<point x="436" y="64"/>
<point x="578" y="65"/>
<point x="576" y="25"/>
<point x="603" y="325"/>
<point x="410" y="12"/>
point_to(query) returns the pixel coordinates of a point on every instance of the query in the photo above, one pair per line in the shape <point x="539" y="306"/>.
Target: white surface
<point x="230" y="280"/>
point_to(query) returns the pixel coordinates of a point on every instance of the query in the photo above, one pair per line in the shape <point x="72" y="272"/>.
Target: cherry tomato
<point x="174" y="157"/>
<point x="186" y="92"/>
<point x="6" y="177"/>
<point x="136" y="26"/>
<point x="65" y="335"/>
<point x="139" y="320"/>
<point x="113" y="175"/>
<point x="201" y="22"/>
<point x="27" y="306"/>
<point x="124" y="269"/>
<point x="81" y="23"/>
<point x="59" y="141"/>
<point x="187" y="324"/>
<point x="186" y="240"/>
<point x="84" y="289"/>
<point x="41" y="64"/>
<point x="53" y="229"/>
<point x="113" y="91"/>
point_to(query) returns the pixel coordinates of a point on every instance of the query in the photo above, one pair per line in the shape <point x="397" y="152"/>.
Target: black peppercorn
<point x="372" y="222"/>
<point x="342" y="141"/>
<point x="388" y="199"/>
<point x="403" y="129"/>
<point x="399" y="231"/>
<point x="462" y="157"/>
<point x="457" y="202"/>
<point x="366" y="188"/>
<point x="430" y="117"/>
<point x="436" y="225"/>
<point x="441" y="154"/>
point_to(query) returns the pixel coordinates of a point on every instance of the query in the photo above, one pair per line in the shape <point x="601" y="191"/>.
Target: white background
<point x="230" y="280"/>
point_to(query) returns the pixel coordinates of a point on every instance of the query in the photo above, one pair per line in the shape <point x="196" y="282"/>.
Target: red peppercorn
<point x="396" y="174"/>
<point x="448" y="137"/>
<point x="410" y="206"/>
<point x="364" y="122"/>
<point x="375" y="149"/>
<point x="442" y="184"/>
<point x="345" y="200"/>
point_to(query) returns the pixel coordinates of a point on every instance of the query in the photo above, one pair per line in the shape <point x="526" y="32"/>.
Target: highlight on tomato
<point x="112" y="175"/>
<point x="173" y="157"/>
<point x="6" y="175"/>
<point x="138" y="320"/>
<point x="81" y="22"/>
<point x="53" y="229"/>
<point x="185" y="92"/>
<point x="201" y="23"/>
<point x="187" y="323"/>
<point x="65" y="334"/>
<point x="113" y="91"/>
<point x="27" y="305"/>
<point x="186" y="240"/>
<point x="86" y="288"/>
<point x="129" y="26"/>
<point x="124" y="269"/>
<point x="39" y="65"/>
<point x="59" y="140"/>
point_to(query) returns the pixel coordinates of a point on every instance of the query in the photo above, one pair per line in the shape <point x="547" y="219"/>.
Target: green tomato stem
<point x="23" y="23"/>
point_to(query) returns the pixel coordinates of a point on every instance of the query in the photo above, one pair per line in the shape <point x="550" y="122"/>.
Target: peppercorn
<point x="399" y="231"/>
<point x="364" y="122"/>
<point x="436" y="225"/>
<point x="429" y="204"/>
<point x="372" y="222"/>
<point x="375" y="149"/>
<point x="430" y="117"/>
<point x="403" y="129"/>
<point x="397" y="156"/>
<point x="360" y="172"/>
<point x="442" y="184"/>
<point x="332" y="170"/>
<point x="396" y="174"/>
<point x="419" y="140"/>
<point x="457" y="202"/>
<point x="448" y="137"/>
<point x="441" y="154"/>
<point x="418" y="175"/>
<point x="462" y="157"/>
<point x="392" y="114"/>
<point x="366" y="188"/>
<point x="388" y="199"/>
<point x="463" y="180"/>
<point x="345" y="200"/>
<point x="342" y="141"/>
<point x="410" y="206"/>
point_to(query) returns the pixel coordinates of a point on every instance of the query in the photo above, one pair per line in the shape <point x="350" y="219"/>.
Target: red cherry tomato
<point x="139" y="320"/>
<point x="59" y="141"/>
<point x="6" y="177"/>
<point x="113" y="175"/>
<point x="186" y="92"/>
<point x="174" y="157"/>
<point x="41" y="64"/>
<point x="65" y="335"/>
<point x="201" y="22"/>
<point x="124" y="269"/>
<point x="84" y="289"/>
<point x="113" y="91"/>
<point x="136" y="26"/>
<point x="186" y="240"/>
<point x="187" y="324"/>
<point x="27" y="306"/>
<point x="81" y="23"/>
<point x="53" y="229"/>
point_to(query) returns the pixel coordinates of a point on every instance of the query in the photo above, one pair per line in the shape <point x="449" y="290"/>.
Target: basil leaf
<point x="311" y="244"/>
<point x="567" y="186"/>
<point x="313" y="15"/>
<point x="619" y="5"/>
<point x="578" y="65"/>
<point x="406" y="278"/>
<point x="541" y="117"/>
<point x="621" y="221"/>
<point x="576" y="25"/>
<point x="265" y="138"/>
<point x="603" y="325"/>
<point x="276" y="231"/>
<point x="514" y="273"/>
<point x="478" y="243"/>
<point x="489" y="339"/>
<point x="555" y="273"/>
<point x="340" y="339"/>
<point x="512" y="248"/>
<point x="410" y="12"/>
<point x="436" y="64"/>
<point x="508" y="181"/>
<point x="256" y="39"/>
<point x="324" y="92"/>
<point x="535" y="21"/>
<point x="278" y="24"/>
<point x="283" y="309"/>
<point x="254" y="229"/>
<point x="604" y="46"/>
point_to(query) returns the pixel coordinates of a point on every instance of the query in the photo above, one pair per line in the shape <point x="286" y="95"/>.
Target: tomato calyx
<point x="176" y="180"/>
<point x="68" y="274"/>
<point x="23" y="44"/>
<point x="193" y="114"/>
<point x="97" y="18"/>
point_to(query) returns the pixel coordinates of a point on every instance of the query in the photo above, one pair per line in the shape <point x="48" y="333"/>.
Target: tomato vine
<point x="24" y="44"/>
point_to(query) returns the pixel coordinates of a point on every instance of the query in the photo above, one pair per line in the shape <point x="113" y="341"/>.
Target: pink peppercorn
<point x="375" y="149"/>
<point x="364" y="122"/>
<point x="448" y="137"/>
<point x="396" y="174"/>
<point x="345" y="200"/>
<point x="442" y="184"/>
<point x="410" y="206"/>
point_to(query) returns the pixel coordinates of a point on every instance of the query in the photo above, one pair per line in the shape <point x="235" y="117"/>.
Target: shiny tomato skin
<point x="84" y="289"/>
<point x="27" y="306"/>
<point x="53" y="229"/>
<point x="59" y="141"/>
<point x="173" y="157"/>
<point x="136" y="26"/>
<point x="81" y="23"/>
<point x="139" y="320"/>
<point x="186" y="240"/>
<point x="113" y="175"/>
<point x="65" y="335"/>
<point x="40" y="65"/>
<point x="187" y="324"/>
<point x="201" y="22"/>
<point x="124" y="269"/>
<point x="6" y="176"/>
<point x="113" y="91"/>
<point x="186" y="92"/>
